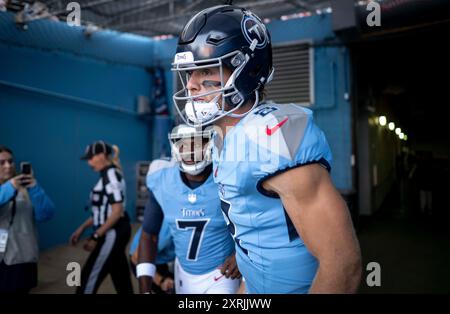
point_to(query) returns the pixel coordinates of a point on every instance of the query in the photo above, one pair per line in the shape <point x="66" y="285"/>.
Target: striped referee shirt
<point x="109" y="190"/>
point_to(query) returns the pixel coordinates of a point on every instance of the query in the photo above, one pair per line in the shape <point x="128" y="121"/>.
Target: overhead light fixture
<point x="391" y="126"/>
<point x="2" y="5"/>
<point x="398" y="131"/>
<point x="90" y="29"/>
<point x="405" y="137"/>
<point x="31" y="12"/>
<point x="382" y="120"/>
<point x="401" y="136"/>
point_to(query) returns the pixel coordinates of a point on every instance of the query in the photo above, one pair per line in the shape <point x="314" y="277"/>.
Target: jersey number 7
<point x="198" y="227"/>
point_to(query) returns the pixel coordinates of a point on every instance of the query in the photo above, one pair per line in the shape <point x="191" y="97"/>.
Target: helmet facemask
<point x="191" y="148"/>
<point x="226" y="94"/>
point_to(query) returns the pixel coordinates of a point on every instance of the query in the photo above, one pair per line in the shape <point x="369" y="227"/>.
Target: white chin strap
<point x="203" y="112"/>
<point x="194" y="169"/>
<point x="200" y="111"/>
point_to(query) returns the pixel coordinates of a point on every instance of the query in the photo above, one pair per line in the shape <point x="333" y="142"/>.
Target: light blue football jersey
<point x="199" y="231"/>
<point x="166" y="248"/>
<point x="272" y="138"/>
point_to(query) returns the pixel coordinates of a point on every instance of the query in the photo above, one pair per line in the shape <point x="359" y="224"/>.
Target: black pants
<point x="19" y="278"/>
<point x="109" y="257"/>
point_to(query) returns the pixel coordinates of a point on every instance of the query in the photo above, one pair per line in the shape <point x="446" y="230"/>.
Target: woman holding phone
<point x="110" y="222"/>
<point x="22" y="203"/>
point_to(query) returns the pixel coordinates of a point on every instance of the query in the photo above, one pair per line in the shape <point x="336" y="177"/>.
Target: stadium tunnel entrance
<point x="400" y="87"/>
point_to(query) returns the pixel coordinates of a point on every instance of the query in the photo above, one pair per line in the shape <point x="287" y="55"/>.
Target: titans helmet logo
<point x="253" y="28"/>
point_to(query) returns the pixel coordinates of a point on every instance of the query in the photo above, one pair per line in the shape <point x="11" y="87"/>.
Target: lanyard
<point x="13" y="211"/>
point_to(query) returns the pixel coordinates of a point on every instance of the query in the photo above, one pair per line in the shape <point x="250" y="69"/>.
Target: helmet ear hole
<point x="255" y="71"/>
<point x="236" y="99"/>
<point x="237" y="60"/>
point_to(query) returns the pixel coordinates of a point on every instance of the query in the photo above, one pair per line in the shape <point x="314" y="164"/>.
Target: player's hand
<point x="166" y="284"/>
<point x="229" y="268"/>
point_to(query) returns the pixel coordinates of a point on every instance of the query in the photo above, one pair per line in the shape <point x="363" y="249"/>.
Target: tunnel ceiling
<point x="164" y="17"/>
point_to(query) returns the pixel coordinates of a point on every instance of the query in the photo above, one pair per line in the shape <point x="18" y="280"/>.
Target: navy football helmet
<point x="216" y="37"/>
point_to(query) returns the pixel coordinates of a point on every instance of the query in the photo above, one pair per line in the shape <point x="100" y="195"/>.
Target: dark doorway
<point x="405" y="77"/>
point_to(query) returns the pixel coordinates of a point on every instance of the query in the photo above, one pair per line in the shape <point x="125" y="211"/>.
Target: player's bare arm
<point x="322" y="219"/>
<point x="148" y="245"/>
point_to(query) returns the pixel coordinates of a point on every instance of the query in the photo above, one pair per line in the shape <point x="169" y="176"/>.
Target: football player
<point x="186" y="197"/>
<point x="292" y="229"/>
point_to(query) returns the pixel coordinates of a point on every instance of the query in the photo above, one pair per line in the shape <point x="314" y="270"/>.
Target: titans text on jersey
<point x="201" y="238"/>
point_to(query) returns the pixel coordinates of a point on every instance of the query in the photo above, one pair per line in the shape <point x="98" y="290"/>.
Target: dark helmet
<point x="224" y="35"/>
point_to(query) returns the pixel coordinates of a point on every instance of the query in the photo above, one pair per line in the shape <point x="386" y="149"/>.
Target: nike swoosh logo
<point x="217" y="278"/>
<point x="270" y="131"/>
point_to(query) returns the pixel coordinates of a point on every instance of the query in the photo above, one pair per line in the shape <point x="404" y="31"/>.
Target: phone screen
<point x="26" y="168"/>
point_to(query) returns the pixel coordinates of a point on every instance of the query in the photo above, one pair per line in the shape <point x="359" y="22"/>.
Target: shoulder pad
<point x="279" y="128"/>
<point x="159" y="164"/>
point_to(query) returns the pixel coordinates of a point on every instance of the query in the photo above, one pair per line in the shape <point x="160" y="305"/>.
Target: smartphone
<point x="25" y="167"/>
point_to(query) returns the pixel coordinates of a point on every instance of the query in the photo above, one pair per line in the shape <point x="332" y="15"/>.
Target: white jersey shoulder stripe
<point x="160" y="164"/>
<point x="278" y="128"/>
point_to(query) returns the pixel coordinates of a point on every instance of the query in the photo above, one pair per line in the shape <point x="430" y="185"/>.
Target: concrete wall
<point x="332" y="108"/>
<point x="59" y="91"/>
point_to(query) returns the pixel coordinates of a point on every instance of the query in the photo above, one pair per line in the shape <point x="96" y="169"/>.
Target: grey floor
<point x="52" y="271"/>
<point x="413" y="252"/>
